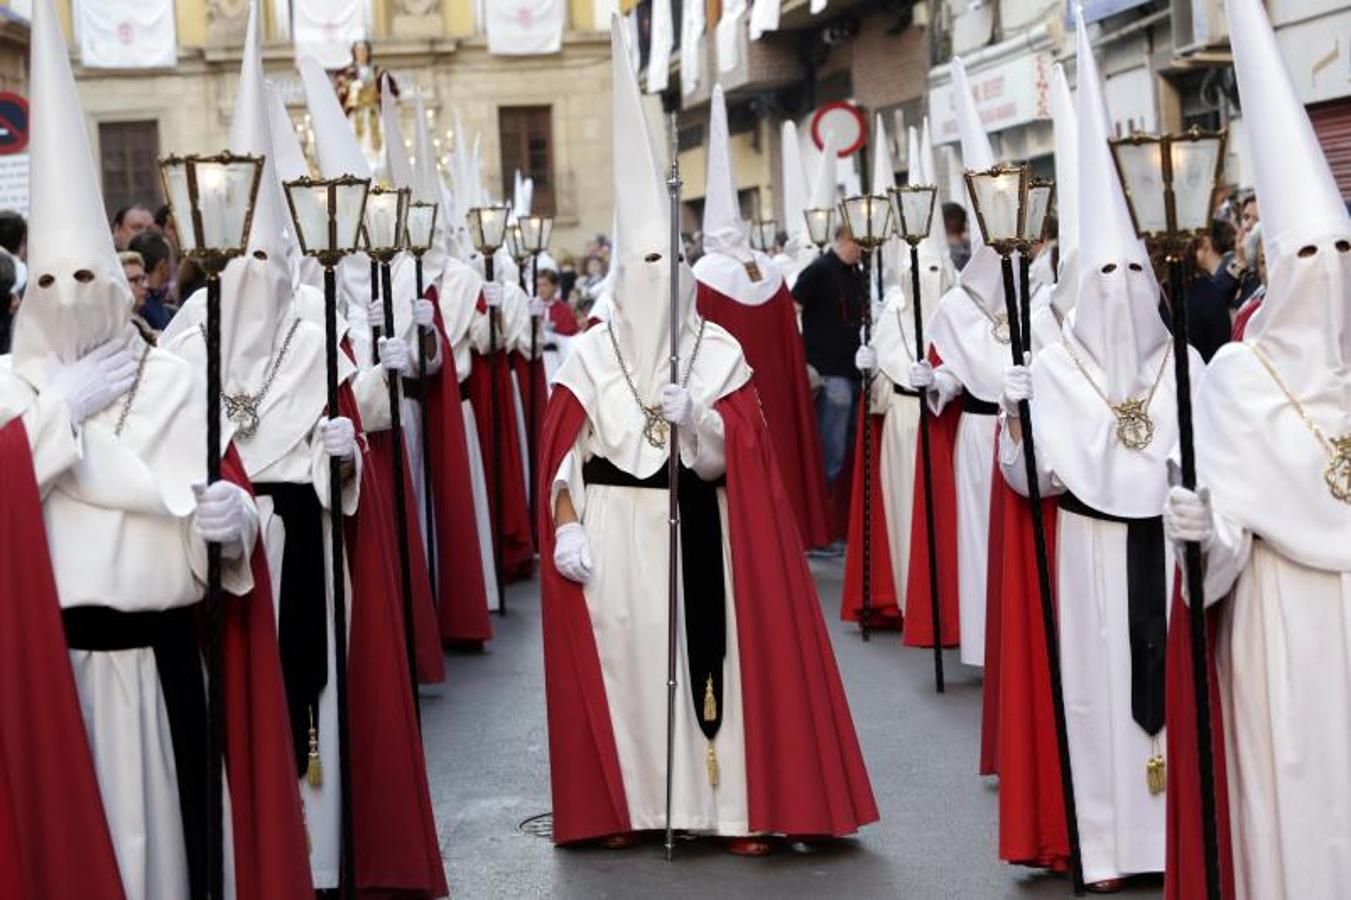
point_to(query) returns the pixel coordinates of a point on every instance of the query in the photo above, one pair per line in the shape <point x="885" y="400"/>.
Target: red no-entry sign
<point x="13" y="123"/>
<point x="846" y="121"/>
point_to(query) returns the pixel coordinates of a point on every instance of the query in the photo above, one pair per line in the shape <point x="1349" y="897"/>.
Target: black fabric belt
<point x="904" y="391"/>
<point x="551" y="347"/>
<point x="1146" y="609"/>
<point x="412" y="388"/>
<point x="464" y="390"/>
<point x="302" y="618"/>
<point x="702" y="574"/>
<point x="978" y="406"/>
<point x="172" y="635"/>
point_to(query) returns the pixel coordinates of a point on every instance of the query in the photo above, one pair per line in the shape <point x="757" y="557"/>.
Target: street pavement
<point x="487" y="760"/>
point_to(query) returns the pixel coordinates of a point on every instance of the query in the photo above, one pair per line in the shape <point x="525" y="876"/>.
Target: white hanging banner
<point x="692" y="27"/>
<point x="660" y="47"/>
<point x="126" y="34"/>
<point x="728" y="35"/>
<point x="326" y="29"/>
<point x="818" y="6"/>
<point x="525" y="27"/>
<point x="765" y="17"/>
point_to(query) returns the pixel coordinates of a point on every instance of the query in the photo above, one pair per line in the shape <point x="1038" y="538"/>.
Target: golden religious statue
<point x="358" y="87"/>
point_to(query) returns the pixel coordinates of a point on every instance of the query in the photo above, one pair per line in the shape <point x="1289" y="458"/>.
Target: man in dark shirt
<point x="831" y="296"/>
<point x="158" y="255"/>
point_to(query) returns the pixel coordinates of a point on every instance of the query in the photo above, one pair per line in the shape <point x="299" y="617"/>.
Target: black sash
<point x="302" y="617"/>
<point x="464" y="391"/>
<point x="702" y="575"/>
<point x="977" y="406"/>
<point x="1146" y="609"/>
<point x="172" y="635"/>
<point x="901" y="389"/>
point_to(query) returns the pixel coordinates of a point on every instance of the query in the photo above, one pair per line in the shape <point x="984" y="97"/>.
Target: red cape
<point x="804" y="770"/>
<point x="53" y="835"/>
<point x="521" y="366"/>
<point x="394" y="830"/>
<point x="1001" y="497"/>
<point x="769" y="337"/>
<point x="1185" y="868"/>
<point x="1021" y="748"/>
<point x="517" y="547"/>
<point x="885" y="604"/>
<point x="919" y="630"/>
<point x="461" y="590"/>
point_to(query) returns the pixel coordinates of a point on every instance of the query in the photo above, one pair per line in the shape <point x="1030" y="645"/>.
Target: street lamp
<point x="386" y="226"/>
<point x="1170" y="182"/>
<point x="327" y="216"/>
<point x="212" y="199"/>
<point x="535" y="232"/>
<point x="422" y="216"/>
<point x="820" y="225"/>
<point x="764" y="232"/>
<point x="912" y="208"/>
<point x="488" y="231"/>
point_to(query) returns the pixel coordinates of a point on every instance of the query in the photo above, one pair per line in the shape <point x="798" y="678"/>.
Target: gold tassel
<point x="314" y="772"/>
<point x="710" y="702"/>
<point x="712" y="761"/>
<point x="1156" y="772"/>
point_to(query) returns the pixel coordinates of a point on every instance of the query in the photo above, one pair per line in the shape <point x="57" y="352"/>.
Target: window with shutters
<point x="129" y="152"/>
<point x="527" y="146"/>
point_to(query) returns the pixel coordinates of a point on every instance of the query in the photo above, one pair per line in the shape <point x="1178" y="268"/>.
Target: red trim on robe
<point x="989" y="703"/>
<point x="461" y="589"/>
<point x="1032" y="828"/>
<point x="885" y="604"/>
<point x="1245" y="314"/>
<point x="394" y="830"/>
<point x="1185" y="869"/>
<point x="770" y="338"/>
<point x="517" y="546"/>
<point x="918" y="631"/>
<point x="805" y="772"/>
<point x="54" y="839"/>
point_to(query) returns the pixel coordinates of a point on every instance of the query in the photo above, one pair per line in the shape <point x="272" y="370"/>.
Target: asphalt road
<point x="487" y="758"/>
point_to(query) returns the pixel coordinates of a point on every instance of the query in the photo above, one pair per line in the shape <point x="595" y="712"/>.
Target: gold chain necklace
<point x="1134" y="427"/>
<point x="1337" y="473"/>
<point x="999" y="324"/>
<point x="131" y="394"/>
<point x="905" y="342"/>
<point x="655" y="427"/>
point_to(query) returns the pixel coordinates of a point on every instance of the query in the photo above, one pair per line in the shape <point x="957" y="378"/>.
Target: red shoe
<point x="749" y="846"/>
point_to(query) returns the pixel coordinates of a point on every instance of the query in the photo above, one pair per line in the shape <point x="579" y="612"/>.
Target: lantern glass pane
<point x="309" y="207"/>
<point x="421" y="225"/>
<point x="384" y="219"/>
<point x="868" y="217"/>
<point x="916" y="210"/>
<point x="820" y="224"/>
<point x="515" y="242"/>
<point x="180" y="201"/>
<point x="1034" y="213"/>
<point x="1140" y="166"/>
<point x="351" y="204"/>
<point x="997" y="197"/>
<point x="225" y="195"/>
<point x="535" y="231"/>
<point x="1194" y="166"/>
<point x="488" y="226"/>
<point x="769" y="233"/>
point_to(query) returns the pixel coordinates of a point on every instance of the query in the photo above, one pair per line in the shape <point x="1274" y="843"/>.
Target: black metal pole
<point x="866" y="613"/>
<point x="534" y="378"/>
<point x="926" y="457"/>
<point x="215" y="731"/>
<point x="1048" y="615"/>
<point x="1025" y="298"/>
<point x="1196" y="609"/>
<point x="425" y="439"/>
<point x="396" y="469"/>
<point x="496" y="406"/>
<point x="347" y="882"/>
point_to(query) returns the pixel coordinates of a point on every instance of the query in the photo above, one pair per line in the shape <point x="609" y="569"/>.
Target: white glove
<point x="1017" y="388"/>
<point x="1187" y="516"/>
<point x="921" y="375"/>
<point x="677" y="406"/>
<point x="572" y="553"/>
<point x="94" y="381"/>
<point x="339" y="437"/>
<point x="223" y="516"/>
<point x="375" y="314"/>
<point x="538" y="308"/>
<point x="865" y="360"/>
<point x="492" y="294"/>
<point x="423" y="313"/>
<point x="394" y="355"/>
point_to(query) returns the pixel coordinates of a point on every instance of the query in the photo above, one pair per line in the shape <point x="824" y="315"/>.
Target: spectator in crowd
<point x="164" y="223"/>
<point x="190" y="280"/>
<point x="831" y="296"/>
<point x="14" y="244"/>
<point x="595" y="274"/>
<point x="9" y="300"/>
<point x="128" y="222"/>
<point x="133" y="267"/>
<point x="157" y="258"/>
<point x="1212" y="291"/>
<point x="567" y="275"/>
<point x="954" y="226"/>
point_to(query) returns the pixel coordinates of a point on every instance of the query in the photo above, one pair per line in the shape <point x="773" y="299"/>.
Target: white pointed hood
<point x="981" y="276"/>
<point x="883" y="179"/>
<point x="399" y="167"/>
<point x="62" y="318"/>
<point x="724" y="229"/>
<point x="794" y="190"/>
<point x="429" y="188"/>
<point x="289" y="164"/>
<point x="825" y="187"/>
<point x="935" y="245"/>
<point x="1066" y="123"/>
<point x="1116" y="314"/>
